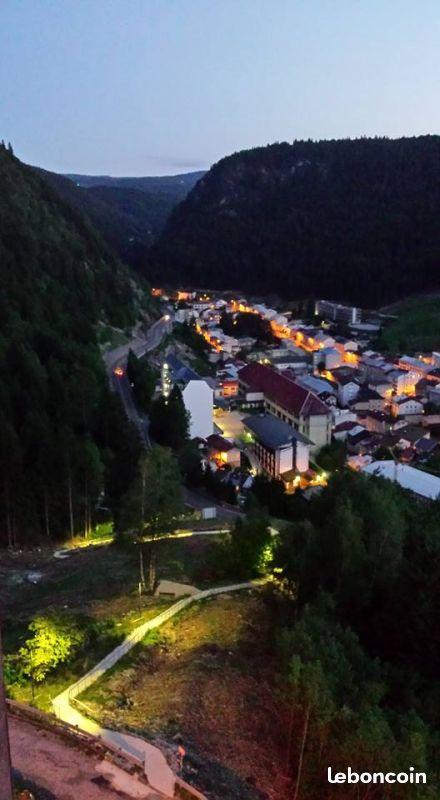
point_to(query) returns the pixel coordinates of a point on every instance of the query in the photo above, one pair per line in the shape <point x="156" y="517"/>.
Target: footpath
<point x="157" y="771"/>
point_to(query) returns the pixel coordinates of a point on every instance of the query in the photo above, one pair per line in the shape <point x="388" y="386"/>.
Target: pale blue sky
<point x="144" y="87"/>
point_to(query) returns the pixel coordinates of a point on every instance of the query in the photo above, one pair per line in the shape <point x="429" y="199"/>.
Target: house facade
<point x="291" y="403"/>
<point x="278" y="447"/>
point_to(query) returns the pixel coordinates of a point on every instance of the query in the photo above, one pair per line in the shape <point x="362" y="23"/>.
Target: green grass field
<point x="98" y="588"/>
<point x="416" y="329"/>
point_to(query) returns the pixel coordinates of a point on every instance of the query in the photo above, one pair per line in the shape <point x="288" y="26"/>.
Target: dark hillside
<point x="353" y="220"/>
<point x="59" y="428"/>
<point x="129" y="213"/>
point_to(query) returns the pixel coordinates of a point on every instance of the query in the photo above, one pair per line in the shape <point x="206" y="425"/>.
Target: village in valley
<point x="294" y="398"/>
<point x="219" y="401"/>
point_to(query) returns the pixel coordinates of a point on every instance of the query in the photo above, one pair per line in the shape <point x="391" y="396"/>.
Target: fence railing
<point x="61" y="703"/>
<point x="136" y="636"/>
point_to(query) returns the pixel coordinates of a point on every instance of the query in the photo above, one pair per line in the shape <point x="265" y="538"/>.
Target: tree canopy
<point x="352" y="220"/>
<point x="63" y="439"/>
<point x="169" y="420"/>
<point x="357" y="630"/>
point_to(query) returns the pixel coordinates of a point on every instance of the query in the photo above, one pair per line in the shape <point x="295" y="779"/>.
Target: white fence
<point x="135" y="637"/>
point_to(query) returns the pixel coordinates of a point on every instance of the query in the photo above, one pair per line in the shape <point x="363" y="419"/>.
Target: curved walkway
<point x="181" y="533"/>
<point x="159" y="774"/>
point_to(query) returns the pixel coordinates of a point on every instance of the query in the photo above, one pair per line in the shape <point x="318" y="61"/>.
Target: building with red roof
<point x="287" y="400"/>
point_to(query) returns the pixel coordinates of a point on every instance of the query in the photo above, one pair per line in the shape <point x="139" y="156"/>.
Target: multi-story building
<point x="298" y="407"/>
<point x="198" y="396"/>
<point x="407" y="407"/>
<point x="278" y="447"/>
<point x="424" y="487"/>
<point x="338" y="312"/>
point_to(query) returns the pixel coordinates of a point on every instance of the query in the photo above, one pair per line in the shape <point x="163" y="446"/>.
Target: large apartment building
<point x="338" y="312"/>
<point x="288" y="401"/>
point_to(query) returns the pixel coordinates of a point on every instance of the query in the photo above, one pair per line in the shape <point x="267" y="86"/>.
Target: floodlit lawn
<point x="100" y="534"/>
<point x="188" y="560"/>
<point x="207" y="676"/>
<point x="118" y="617"/>
<point x="99" y="588"/>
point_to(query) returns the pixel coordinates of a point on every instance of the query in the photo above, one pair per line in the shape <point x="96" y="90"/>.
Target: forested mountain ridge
<point x="61" y="434"/>
<point x="176" y="185"/>
<point x="353" y="220"/>
<point x="128" y="212"/>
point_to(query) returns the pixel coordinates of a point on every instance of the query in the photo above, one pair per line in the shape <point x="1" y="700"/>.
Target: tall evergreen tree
<point x="169" y="420"/>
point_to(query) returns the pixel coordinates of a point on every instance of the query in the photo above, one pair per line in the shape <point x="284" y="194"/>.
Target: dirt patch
<point x="208" y="681"/>
<point x="60" y="772"/>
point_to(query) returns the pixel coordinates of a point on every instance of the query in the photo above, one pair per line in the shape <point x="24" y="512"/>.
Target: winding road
<point x="121" y="385"/>
<point x="117" y="359"/>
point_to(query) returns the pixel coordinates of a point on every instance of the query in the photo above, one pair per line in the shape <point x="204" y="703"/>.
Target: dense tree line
<point x="352" y="220"/>
<point x="142" y="380"/>
<point x="64" y="441"/>
<point x="169" y="420"/>
<point x="246" y="324"/>
<point x="357" y="628"/>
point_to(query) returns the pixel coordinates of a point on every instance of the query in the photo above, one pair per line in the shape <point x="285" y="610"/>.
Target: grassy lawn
<point x="417" y="327"/>
<point x="207" y="677"/>
<point x="189" y="560"/>
<point x="107" y="623"/>
<point x="110" y="338"/>
<point x="98" y="587"/>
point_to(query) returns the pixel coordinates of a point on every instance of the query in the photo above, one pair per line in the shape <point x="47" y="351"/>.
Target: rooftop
<point x="272" y="432"/>
<point x="179" y="371"/>
<point x="283" y="391"/>
<point x="421" y="483"/>
<point x="365" y="394"/>
<point x="219" y="443"/>
<point x="316" y="385"/>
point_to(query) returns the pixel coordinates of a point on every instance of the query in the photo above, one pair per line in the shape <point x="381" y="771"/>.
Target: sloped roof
<point x="366" y="394"/>
<point x="421" y="483"/>
<point x="348" y="425"/>
<point x="180" y="372"/>
<point x="425" y="445"/>
<point x="217" y="442"/>
<point x="399" y="401"/>
<point x="283" y="391"/>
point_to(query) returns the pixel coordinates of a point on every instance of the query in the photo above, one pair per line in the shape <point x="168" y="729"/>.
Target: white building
<point x="329" y="356"/>
<point x="421" y="368"/>
<point x="184" y="315"/>
<point x="198" y="398"/>
<point x="403" y="380"/>
<point x="337" y="311"/>
<point x="423" y="485"/>
<point x="406" y="406"/>
<point x="277" y="446"/>
<point x="348" y="389"/>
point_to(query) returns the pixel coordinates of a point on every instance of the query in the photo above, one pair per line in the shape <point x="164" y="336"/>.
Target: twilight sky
<point x="151" y="87"/>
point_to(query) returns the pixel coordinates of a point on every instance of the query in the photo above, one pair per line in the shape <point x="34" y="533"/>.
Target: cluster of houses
<point x="311" y="388"/>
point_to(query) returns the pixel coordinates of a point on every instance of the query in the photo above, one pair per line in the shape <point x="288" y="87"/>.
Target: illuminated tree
<point x="54" y="640"/>
<point x="148" y="510"/>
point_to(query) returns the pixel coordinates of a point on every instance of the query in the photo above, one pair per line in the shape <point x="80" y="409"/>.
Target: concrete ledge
<point x="184" y="791"/>
<point x="173" y="589"/>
